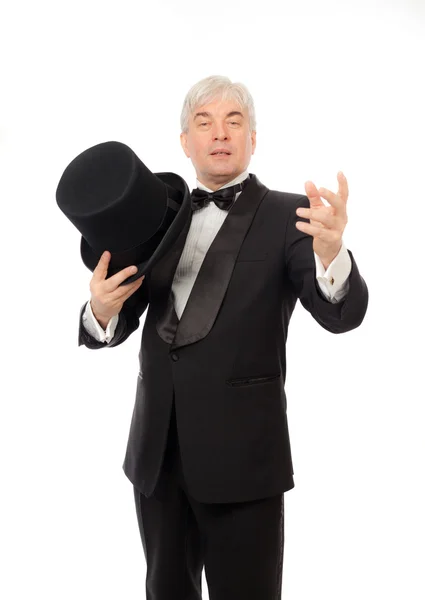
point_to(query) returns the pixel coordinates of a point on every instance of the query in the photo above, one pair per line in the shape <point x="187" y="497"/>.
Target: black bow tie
<point x="223" y="198"/>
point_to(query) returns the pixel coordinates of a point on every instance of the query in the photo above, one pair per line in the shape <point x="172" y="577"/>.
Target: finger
<point x="113" y="282"/>
<point x="130" y="290"/>
<point x="101" y="269"/>
<point x="343" y="186"/>
<point x="313" y="194"/>
<point x="310" y="229"/>
<point x="327" y="236"/>
<point x="127" y="289"/>
<point x="334" y="200"/>
<point x="329" y="196"/>
<point x="318" y="215"/>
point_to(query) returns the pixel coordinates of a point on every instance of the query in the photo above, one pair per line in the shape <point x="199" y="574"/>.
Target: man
<point x="208" y="452"/>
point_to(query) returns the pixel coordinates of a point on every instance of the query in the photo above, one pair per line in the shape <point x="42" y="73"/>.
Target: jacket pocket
<point x="252" y="257"/>
<point x="252" y="380"/>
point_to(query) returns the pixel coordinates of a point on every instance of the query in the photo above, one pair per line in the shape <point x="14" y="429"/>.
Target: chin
<point x="224" y="169"/>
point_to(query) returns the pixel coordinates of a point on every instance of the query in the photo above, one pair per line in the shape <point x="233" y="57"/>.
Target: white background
<point x="337" y="86"/>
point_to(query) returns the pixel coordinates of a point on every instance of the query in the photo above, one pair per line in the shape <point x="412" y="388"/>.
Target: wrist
<point x="101" y="319"/>
<point x="329" y="258"/>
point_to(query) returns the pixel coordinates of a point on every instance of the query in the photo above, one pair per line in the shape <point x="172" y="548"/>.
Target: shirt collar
<point x="234" y="181"/>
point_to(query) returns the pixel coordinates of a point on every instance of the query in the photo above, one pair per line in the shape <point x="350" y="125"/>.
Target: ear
<point x="253" y="140"/>
<point x="183" y="141"/>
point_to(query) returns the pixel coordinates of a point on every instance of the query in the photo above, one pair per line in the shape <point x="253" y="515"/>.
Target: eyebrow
<point x="207" y="114"/>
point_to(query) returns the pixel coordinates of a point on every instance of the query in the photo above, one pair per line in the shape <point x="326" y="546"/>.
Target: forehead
<point x="220" y="108"/>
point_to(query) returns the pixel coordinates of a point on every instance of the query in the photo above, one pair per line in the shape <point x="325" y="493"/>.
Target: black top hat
<point x="119" y="205"/>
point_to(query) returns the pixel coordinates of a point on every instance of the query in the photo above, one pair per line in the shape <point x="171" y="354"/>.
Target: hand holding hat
<point x="108" y="295"/>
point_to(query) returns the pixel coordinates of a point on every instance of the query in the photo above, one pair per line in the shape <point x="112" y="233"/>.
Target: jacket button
<point x="175" y="356"/>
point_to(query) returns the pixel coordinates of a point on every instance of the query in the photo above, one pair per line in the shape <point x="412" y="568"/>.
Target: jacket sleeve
<point x="128" y="319"/>
<point x="300" y="265"/>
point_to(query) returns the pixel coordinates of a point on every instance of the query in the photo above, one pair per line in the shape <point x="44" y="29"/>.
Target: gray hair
<point x="213" y="87"/>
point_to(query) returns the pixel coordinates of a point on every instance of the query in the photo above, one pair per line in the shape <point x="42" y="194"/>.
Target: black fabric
<point x="223" y="198"/>
<point x="225" y="358"/>
<point x="208" y="450"/>
<point x="239" y="544"/>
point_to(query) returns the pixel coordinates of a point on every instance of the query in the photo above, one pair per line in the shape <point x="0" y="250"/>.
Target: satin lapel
<point x="161" y="279"/>
<point x="216" y="270"/>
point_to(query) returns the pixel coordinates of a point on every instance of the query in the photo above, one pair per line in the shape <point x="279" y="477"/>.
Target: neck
<point x="218" y="181"/>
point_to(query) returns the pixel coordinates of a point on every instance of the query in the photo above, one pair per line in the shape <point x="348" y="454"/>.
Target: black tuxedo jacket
<point x="225" y="359"/>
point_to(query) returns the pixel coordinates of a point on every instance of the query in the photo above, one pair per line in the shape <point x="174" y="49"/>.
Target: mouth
<point x="220" y="153"/>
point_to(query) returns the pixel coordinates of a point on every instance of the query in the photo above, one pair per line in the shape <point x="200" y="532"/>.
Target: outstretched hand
<point x="327" y="223"/>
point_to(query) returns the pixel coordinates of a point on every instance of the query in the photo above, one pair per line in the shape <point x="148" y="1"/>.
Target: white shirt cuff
<point x="334" y="281"/>
<point x="92" y="326"/>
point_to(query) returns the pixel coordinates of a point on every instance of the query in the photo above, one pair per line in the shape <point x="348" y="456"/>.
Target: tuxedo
<point x="222" y="366"/>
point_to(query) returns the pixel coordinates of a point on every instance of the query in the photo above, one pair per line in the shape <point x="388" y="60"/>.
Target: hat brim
<point x="91" y="258"/>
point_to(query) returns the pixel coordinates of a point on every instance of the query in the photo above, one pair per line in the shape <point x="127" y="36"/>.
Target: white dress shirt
<point x="204" y="227"/>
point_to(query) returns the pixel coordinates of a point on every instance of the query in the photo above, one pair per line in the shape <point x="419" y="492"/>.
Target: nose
<point x="220" y="133"/>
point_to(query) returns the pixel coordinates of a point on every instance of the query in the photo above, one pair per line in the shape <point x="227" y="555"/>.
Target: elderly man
<point x="208" y="451"/>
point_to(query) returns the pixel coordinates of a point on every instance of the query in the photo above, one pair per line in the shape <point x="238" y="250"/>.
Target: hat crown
<point x="96" y="177"/>
<point x="114" y="200"/>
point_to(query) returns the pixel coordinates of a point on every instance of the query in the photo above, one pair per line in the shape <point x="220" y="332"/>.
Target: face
<point x="219" y="125"/>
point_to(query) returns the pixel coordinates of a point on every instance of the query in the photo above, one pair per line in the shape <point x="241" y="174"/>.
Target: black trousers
<point x="240" y="544"/>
